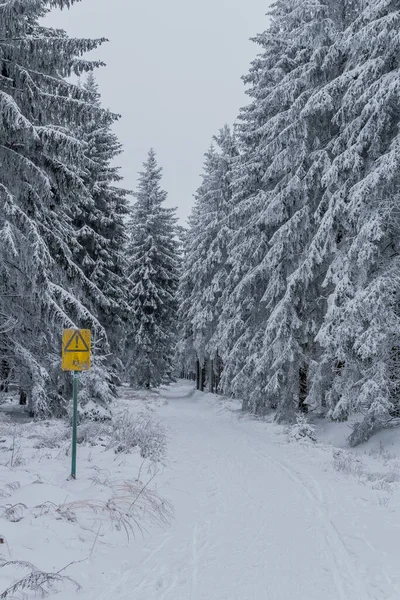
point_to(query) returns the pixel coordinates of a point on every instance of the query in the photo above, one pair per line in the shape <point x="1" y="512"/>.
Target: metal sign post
<point x="76" y="354"/>
<point x="74" y="425"/>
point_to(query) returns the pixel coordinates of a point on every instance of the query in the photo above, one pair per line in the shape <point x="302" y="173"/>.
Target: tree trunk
<point x="197" y="374"/>
<point x="31" y="408"/>
<point x="303" y="388"/>
<point x="202" y="378"/>
<point x="23" y="397"/>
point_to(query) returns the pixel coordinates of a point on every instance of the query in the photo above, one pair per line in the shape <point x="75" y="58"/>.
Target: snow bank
<point x="55" y="533"/>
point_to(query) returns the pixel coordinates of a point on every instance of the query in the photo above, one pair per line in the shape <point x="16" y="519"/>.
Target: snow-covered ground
<point x="258" y="515"/>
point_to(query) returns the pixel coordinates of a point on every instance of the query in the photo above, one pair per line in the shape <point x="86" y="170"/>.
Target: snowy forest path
<point x="251" y="522"/>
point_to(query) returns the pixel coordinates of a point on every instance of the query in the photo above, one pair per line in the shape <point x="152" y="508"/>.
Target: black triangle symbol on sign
<point x="76" y="337"/>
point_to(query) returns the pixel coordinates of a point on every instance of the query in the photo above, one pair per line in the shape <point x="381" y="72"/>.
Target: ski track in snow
<point x="250" y="522"/>
<point x="342" y="564"/>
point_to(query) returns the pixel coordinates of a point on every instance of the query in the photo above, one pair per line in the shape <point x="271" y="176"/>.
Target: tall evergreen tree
<point x="99" y="220"/>
<point x="267" y="325"/>
<point x="205" y="264"/>
<point x="42" y="286"/>
<point x="153" y="257"/>
<point x="361" y="331"/>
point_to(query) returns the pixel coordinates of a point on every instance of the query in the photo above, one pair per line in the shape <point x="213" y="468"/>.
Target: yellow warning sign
<point x="76" y="350"/>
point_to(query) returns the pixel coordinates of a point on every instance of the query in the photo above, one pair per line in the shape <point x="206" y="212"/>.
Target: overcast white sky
<point x="173" y="73"/>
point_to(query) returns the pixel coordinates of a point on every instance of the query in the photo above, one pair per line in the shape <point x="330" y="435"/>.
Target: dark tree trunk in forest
<point x="203" y="378"/>
<point x="31" y="408"/>
<point x="303" y="388"/>
<point x="197" y="374"/>
<point x="23" y="396"/>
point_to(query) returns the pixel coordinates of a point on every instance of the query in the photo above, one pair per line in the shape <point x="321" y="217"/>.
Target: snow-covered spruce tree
<point x="185" y="355"/>
<point x="204" y="270"/>
<point x="42" y="288"/>
<point x="275" y="306"/>
<point x="361" y="333"/>
<point x="101" y="229"/>
<point x="153" y="262"/>
<point x="271" y="218"/>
